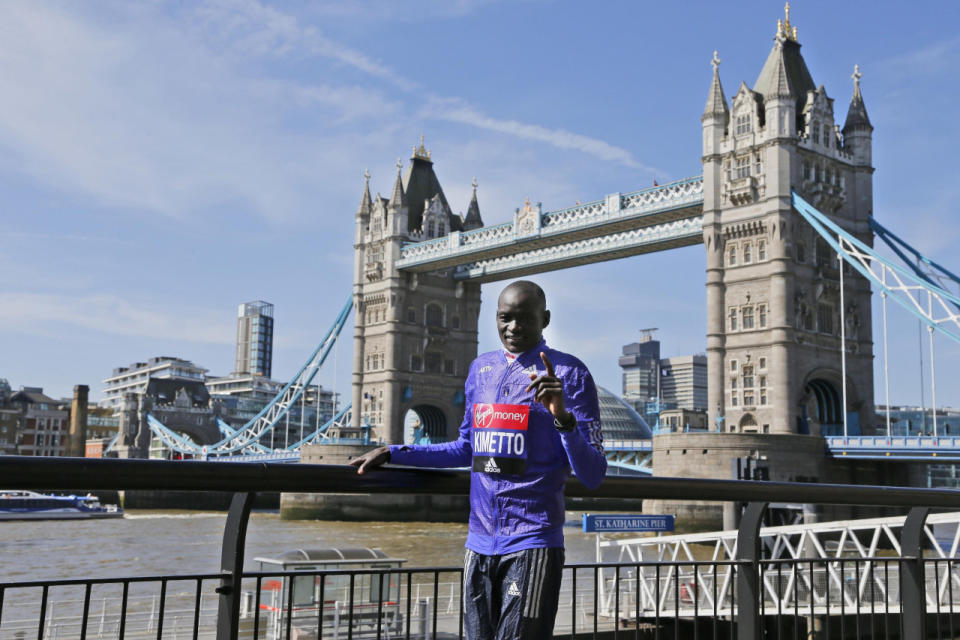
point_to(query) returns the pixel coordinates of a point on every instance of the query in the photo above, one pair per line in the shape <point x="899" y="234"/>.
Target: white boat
<point x="30" y="505"/>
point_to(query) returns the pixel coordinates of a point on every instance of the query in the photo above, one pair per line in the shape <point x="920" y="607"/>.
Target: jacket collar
<point x="528" y="357"/>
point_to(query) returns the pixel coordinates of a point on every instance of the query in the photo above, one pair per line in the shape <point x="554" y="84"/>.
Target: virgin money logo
<point x="482" y="415"/>
<point x="500" y="416"/>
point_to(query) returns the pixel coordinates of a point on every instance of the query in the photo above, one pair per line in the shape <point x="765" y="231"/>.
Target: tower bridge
<point x="784" y="210"/>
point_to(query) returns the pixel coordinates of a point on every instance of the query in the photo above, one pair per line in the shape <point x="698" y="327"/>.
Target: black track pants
<point x="513" y="596"/>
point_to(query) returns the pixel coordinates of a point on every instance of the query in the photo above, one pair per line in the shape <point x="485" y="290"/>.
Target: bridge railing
<point x="679" y="593"/>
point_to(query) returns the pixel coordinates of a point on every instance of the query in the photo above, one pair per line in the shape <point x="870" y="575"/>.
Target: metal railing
<point x="658" y="598"/>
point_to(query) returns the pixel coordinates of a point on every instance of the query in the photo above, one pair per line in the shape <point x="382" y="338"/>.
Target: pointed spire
<point x="421" y="152"/>
<point x="398" y="198"/>
<point x="857" y="113"/>
<point x="366" y="204"/>
<point x="716" y="100"/>
<point x="473" y="219"/>
<point x="785" y="30"/>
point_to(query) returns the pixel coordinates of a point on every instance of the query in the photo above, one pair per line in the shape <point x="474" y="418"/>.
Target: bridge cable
<point x="843" y="344"/>
<point x="886" y="354"/>
<point x="933" y="372"/>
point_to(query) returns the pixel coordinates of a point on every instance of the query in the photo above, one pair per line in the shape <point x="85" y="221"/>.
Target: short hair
<point x="529" y="286"/>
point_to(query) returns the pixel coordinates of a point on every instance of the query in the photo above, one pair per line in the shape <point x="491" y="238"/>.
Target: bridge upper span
<point x="620" y="225"/>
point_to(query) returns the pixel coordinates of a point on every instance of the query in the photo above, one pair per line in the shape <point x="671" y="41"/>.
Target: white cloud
<point x="457" y="110"/>
<point x="47" y="314"/>
<point x="148" y="119"/>
<point x="248" y="27"/>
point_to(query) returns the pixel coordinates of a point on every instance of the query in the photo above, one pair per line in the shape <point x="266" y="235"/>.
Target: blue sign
<point x="605" y="523"/>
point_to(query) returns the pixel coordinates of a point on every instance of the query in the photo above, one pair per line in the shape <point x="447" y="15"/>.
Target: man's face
<point x="521" y="319"/>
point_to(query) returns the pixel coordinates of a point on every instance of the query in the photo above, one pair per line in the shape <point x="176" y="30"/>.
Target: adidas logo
<point x="491" y="466"/>
<point x="513" y="591"/>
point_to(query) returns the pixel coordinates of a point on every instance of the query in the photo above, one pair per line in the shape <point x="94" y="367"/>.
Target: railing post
<point x="748" y="572"/>
<point x="913" y="595"/>
<point x="231" y="566"/>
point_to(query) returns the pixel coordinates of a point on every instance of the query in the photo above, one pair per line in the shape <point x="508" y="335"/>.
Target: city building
<point x="678" y="419"/>
<point x="134" y="379"/>
<point x="619" y="419"/>
<point x="9" y="420"/>
<point x="44" y="423"/>
<point x="255" y="339"/>
<point x="916" y="421"/>
<point x="640" y="364"/>
<point x="683" y="382"/>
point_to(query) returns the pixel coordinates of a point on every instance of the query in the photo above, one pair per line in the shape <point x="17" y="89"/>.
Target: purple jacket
<point x="519" y="460"/>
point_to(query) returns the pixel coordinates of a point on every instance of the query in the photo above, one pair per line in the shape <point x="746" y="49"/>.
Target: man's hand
<point x="371" y="459"/>
<point x="548" y="391"/>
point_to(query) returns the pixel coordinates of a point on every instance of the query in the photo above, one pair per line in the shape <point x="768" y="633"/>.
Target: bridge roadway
<point x="655" y="219"/>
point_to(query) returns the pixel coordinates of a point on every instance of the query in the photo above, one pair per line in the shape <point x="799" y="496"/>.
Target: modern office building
<point x="134" y="379"/>
<point x="255" y="339"/>
<point x="683" y="382"/>
<point x="639" y="362"/>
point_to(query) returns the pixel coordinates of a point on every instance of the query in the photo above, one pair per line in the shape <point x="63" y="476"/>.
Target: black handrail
<point x="29" y="472"/>
<point x="245" y="479"/>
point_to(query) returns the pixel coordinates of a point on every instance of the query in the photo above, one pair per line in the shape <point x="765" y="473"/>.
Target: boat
<point x="30" y="505"/>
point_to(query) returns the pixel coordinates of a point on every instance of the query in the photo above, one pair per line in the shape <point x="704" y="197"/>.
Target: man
<point x="531" y="415"/>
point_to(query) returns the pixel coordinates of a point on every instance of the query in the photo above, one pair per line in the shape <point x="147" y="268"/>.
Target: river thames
<point x="169" y="542"/>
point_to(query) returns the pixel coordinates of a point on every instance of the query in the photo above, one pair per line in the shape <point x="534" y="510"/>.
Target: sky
<point x="162" y="162"/>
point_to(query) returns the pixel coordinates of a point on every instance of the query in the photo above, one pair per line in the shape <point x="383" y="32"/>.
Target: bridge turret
<point x="473" y="220"/>
<point x="716" y="115"/>
<point x="857" y="130"/>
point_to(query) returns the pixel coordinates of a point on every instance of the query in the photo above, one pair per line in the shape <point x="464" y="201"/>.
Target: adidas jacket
<point x="519" y="460"/>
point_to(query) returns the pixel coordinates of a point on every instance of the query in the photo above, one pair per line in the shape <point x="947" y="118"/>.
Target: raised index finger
<point x="546" y="363"/>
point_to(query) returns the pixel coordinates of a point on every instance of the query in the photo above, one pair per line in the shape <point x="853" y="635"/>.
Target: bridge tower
<point x="773" y="286"/>
<point x="414" y="334"/>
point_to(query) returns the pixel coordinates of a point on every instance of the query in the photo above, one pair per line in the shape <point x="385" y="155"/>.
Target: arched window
<point x="434" y="315"/>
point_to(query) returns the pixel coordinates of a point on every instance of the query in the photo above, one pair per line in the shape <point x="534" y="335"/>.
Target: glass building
<point x="619" y="420"/>
<point x="255" y="339"/>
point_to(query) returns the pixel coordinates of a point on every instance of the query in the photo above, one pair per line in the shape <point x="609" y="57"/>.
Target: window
<point x="743" y="124"/>
<point x="743" y="167"/>
<point x="733" y="319"/>
<point x="762" y="250"/>
<point x="762" y="315"/>
<point x="825" y="318"/>
<point x="756" y="165"/>
<point x="815" y="130"/>
<point x="434" y="315"/>
<point x="433" y="361"/>
<point x="747" y="372"/>
<point x="747" y="253"/>
<point x="823" y="253"/>
<point x="801" y="253"/>
<point x="747" y="316"/>
<point x="734" y="400"/>
<point x="826" y="135"/>
<point x="748" y="398"/>
<point x="448" y="367"/>
<point x="733" y="365"/>
<point x="416" y="363"/>
<point x="411" y="315"/>
<point x="733" y="383"/>
<point x="732" y="254"/>
<point x="455" y="322"/>
<point x="763" y="389"/>
<point x="806" y="170"/>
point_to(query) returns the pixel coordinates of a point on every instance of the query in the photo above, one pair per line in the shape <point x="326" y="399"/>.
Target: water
<point x="169" y="542"/>
<point x="147" y="543"/>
